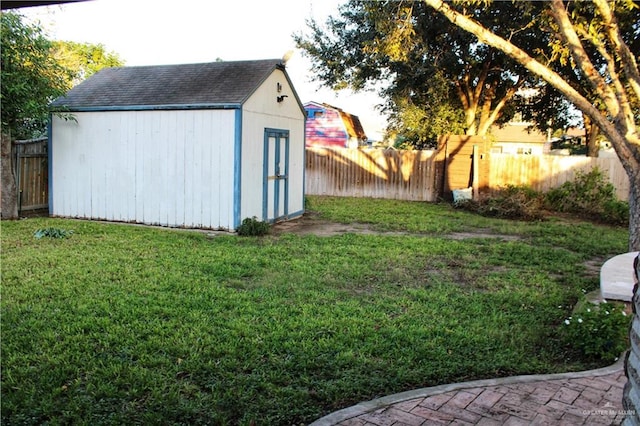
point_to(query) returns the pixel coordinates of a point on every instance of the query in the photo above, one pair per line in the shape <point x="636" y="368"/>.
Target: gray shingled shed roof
<point x="215" y="84"/>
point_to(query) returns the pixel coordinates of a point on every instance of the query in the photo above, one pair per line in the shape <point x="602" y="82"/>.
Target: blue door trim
<point x="50" y="162"/>
<point x="279" y="135"/>
<point x="237" y="169"/>
<point x="265" y="176"/>
<point x="285" y="213"/>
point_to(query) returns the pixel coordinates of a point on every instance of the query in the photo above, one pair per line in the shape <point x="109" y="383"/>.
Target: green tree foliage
<point x="31" y="77"/>
<point x="84" y="59"/>
<point x="418" y="125"/>
<point x="590" y="27"/>
<point x="599" y="40"/>
<point x="434" y="77"/>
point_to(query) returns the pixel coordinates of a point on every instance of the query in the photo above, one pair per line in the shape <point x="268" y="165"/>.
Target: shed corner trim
<point x="237" y="169"/>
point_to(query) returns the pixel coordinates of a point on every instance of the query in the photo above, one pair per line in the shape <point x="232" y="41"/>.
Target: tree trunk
<point x="470" y="127"/>
<point x="593" y="148"/>
<point x="9" y="198"/>
<point x="591" y="134"/>
<point x="634" y="211"/>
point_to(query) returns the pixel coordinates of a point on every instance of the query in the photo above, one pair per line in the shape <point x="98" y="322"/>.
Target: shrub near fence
<point x="544" y="172"/>
<point x="411" y="175"/>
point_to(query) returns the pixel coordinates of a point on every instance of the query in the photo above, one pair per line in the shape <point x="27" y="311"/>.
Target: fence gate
<point x="462" y="162"/>
<point x="32" y="174"/>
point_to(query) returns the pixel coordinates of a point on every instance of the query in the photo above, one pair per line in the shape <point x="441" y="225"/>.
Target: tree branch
<point x="469" y="103"/>
<point x="485" y="111"/>
<point x="629" y="63"/>
<point x="626" y="113"/>
<point x="620" y="141"/>
<point x="579" y="54"/>
<point x="481" y="80"/>
<point x="497" y="110"/>
<point x="462" y="95"/>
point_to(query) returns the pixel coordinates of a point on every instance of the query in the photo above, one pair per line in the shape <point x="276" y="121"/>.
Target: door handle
<point x="276" y="177"/>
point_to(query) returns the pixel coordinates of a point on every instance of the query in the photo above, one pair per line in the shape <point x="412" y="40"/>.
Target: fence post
<point x="475" y="184"/>
<point x="9" y="200"/>
<point x="19" y="175"/>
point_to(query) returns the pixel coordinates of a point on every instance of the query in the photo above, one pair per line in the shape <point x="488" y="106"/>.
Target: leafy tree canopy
<point x="557" y="56"/>
<point x="599" y="40"/>
<point x="36" y="70"/>
<point x="31" y="77"/>
<point x="434" y="77"/>
<point x="84" y="59"/>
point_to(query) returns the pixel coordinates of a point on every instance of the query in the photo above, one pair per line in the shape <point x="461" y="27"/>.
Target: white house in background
<point x="514" y="138"/>
<point x="192" y="145"/>
<point x="519" y="138"/>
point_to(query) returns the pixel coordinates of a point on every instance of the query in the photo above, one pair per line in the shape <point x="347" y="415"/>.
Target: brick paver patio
<point x="584" y="398"/>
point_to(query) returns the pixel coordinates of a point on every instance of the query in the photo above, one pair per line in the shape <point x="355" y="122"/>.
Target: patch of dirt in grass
<point x="482" y="234"/>
<point x="324" y="228"/>
<point x="311" y="224"/>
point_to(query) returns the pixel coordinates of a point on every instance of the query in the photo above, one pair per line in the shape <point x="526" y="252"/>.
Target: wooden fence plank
<point x="414" y="175"/>
<point x="32" y="173"/>
<point x="406" y="175"/>
<point x="545" y="172"/>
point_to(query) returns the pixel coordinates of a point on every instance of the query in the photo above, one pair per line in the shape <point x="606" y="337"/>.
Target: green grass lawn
<point x="121" y="324"/>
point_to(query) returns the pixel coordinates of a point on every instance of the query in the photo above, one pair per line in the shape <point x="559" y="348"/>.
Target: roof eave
<point x="97" y="108"/>
<point x="264" y="78"/>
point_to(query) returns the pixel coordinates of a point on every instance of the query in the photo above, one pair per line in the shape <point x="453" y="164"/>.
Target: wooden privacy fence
<point x="544" y="172"/>
<point x="403" y="175"/>
<point x="420" y="175"/>
<point x="462" y="162"/>
<point x="32" y="174"/>
<point x="376" y="173"/>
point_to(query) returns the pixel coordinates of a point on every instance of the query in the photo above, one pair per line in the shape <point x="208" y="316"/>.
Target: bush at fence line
<point x="590" y="195"/>
<point x="512" y="202"/>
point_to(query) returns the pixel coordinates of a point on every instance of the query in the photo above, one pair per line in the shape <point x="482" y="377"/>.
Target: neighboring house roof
<point x="352" y="123"/>
<point x="205" y="84"/>
<point x="518" y="133"/>
<point x="575" y="132"/>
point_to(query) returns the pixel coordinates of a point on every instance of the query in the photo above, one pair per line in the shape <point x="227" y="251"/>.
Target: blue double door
<point x="275" y="175"/>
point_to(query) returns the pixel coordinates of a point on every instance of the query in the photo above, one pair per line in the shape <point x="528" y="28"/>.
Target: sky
<point x="157" y="32"/>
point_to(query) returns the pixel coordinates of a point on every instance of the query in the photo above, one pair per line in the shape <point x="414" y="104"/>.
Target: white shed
<point x="192" y="145"/>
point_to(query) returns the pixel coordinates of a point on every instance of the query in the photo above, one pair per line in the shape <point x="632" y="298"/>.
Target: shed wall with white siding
<point x="181" y="166"/>
<point x="259" y="113"/>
